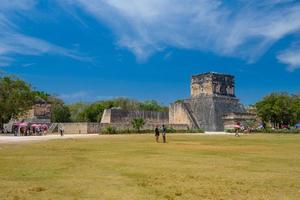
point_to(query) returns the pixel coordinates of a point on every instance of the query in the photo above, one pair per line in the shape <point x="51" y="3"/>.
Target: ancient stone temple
<point x="212" y="98"/>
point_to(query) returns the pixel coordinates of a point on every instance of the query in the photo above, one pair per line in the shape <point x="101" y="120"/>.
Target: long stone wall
<point x="178" y="114"/>
<point x="149" y="126"/>
<point x="80" y="128"/>
<point x="89" y="128"/>
<point x="124" y="116"/>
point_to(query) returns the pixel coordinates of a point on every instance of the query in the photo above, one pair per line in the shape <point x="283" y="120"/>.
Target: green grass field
<point x="134" y="167"/>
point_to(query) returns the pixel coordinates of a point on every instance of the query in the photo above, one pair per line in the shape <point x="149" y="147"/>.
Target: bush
<point x="172" y="130"/>
<point x="138" y="123"/>
<point x="110" y="130"/>
<point x="269" y="130"/>
<point x="195" y="131"/>
<point x="278" y="131"/>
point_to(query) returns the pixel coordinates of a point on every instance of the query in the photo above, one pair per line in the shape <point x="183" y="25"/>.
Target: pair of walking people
<point x="164" y="132"/>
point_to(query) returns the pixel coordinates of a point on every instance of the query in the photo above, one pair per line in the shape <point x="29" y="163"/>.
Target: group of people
<point x="30" y="131"/>
<point x="157" y="133"/>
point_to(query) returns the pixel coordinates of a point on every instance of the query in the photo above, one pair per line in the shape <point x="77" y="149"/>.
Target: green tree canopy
<point x="153" y="105"/>
<point x="44" y="95"/>
<point x="16" y="97"/>
<point x="60" y="113"/>
<point x="77" y="111"/>
<point x="279" y="109"/>
<point x="93" y="112"/>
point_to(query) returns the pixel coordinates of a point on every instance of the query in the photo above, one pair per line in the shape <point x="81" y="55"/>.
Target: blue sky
<point x="87" y="50"/>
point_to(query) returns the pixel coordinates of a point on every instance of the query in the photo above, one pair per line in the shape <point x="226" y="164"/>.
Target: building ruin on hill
<point x="212" y="99"/>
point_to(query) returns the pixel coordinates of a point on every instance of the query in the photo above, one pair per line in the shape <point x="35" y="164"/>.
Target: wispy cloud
<point x="86" y="96"/>
<point x="13" y="41"/>
<point x="244" y="28"/>
<point x="76" y="96"/>
<point x="291" y="57"/>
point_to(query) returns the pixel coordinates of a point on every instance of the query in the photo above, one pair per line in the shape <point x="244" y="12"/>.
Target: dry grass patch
<point x="134" y="167"/>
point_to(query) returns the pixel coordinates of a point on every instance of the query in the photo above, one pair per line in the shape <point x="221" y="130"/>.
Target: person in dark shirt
<point x="164" y="132"/>
<point x="156" y="133"/>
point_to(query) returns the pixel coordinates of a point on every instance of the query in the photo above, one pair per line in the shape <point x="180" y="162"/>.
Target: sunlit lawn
<point x="134" y="167"/>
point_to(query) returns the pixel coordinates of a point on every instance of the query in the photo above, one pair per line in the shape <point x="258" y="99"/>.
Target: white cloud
<point x="291" y="57"/>
<point x="13" y="42"/>
<point x="76" y="96"/>
<point x="246" y="29"/>
<point x="86" y="96"/>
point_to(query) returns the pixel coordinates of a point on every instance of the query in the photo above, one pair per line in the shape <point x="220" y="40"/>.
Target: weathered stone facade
<point x="116" y="115"/>
<point x="121" y="119"/>
<point x="232" y="119"/>
<point x="212" y="97"/>
<point x="178" y="114"/>
<point x="79" y="128"/>
<point x="39" y="113"/>
<point x="212" y="84"/>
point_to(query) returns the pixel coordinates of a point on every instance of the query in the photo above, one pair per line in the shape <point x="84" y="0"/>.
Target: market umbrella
<point x="24" y="124"/>
<point x="236" y="126"/>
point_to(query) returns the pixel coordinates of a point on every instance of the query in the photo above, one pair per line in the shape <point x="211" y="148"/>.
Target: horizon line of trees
<point x="17" y="97"/>
<point x="280" y="109"/>
<point x="92" y="112"/>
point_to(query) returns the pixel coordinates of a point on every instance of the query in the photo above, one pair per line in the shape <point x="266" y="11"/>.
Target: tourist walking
<point x="237" y="132"/>
<point x="156" y="133"/>
<point x="164" y="132"/>
<point x="61" y="130"/>
<point x="237" y="128"/>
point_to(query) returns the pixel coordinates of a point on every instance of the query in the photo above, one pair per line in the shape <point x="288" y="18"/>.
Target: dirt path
<point x="19" y="139"/>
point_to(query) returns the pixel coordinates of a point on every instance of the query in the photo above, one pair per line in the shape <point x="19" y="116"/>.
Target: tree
<point x="153" y="105"/>
<point x="60" y="113"/>
<point x="138" y="123"/>
<point x="77" y="112"/>
<point x="44" y="95"/>
<point x="279" y="109"/>
<point x="16" y="97"/>
<point x="93" y="112"/>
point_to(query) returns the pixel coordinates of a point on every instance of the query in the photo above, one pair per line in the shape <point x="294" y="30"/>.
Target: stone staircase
<point x="191" y="116"/>
<point x="53" y="128"/>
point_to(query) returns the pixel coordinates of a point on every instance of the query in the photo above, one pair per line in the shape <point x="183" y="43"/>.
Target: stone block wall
<point x="149" y="126"/>
<point x="81" y="128"/>
<point x="89" y="128"/>
<point x="94" y="128"/>
<point x="209" y="110"/>
<point x="212" y="83"/>
<point x="231" y="119"/>
<point x="124" y="116"/>
<point x="178" y="114"/>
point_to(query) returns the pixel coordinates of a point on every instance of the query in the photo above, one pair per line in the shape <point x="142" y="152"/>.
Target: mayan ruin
<point x="211" y="104"/>
<point x="212" y="98"/>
